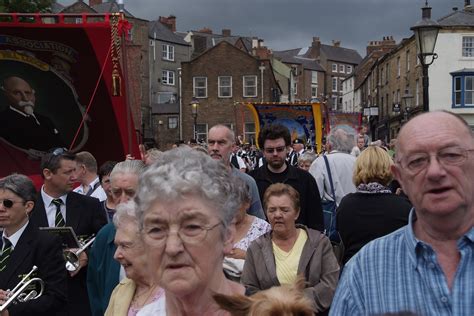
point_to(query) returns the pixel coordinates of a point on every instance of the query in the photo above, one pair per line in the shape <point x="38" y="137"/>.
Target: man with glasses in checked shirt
<point x="23" y="246"/>
<point x="276" y="140"/>
<point x="426" y="267"/>
<point x="58" y="206"/>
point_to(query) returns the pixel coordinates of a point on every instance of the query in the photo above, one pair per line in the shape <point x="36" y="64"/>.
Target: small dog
<point x="285" y="300"/>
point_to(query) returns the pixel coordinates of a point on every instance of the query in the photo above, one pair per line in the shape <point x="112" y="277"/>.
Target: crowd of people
<point x="193" y="231"/>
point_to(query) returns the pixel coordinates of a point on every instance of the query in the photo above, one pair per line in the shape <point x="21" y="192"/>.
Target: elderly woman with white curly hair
<point x="186" y="203"/>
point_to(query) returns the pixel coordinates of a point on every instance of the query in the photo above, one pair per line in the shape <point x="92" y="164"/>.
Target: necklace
<point x="136" y="299"/>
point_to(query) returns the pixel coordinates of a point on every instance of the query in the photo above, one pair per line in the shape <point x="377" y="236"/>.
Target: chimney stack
<point x="206" y="30"/>
<point x="336" y="43"/>
<point x="226" y="32"/>
<point x="467" y="6"/>
<point x="169" y="21"/>
<point x="94" y="2"/>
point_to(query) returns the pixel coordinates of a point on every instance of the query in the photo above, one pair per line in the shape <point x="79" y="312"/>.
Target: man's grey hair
<point x="19" y="184"/>
<point x="128" y="166"/>
<point x="307" y="157"/>
<point x="183" y="171"/>
<point x="341" y="141"/>
<point x="126" y="211"/>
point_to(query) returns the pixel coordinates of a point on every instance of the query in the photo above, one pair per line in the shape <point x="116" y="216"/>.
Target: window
<point x="314" y="90"/>
<point x="387" y="73"/>
<point x="225" y="86"/>
<point x="314" y="77"/>
<point x="408" y="60"/>
<point x="340" y="83"/>
<point x="463" y="89"/>
<point x="398" y="96"/>
<point x="398" y="66"/>
<point x="172" y="122"/>
<point x="334" y="67"/>
<point x="334" y="83"/>
<point x="200" y="87"/>
<point x="417" y="92"/>
<point x="201" y="132"/>
<point x="249" y="133"/>
<point x="167" y="52"/>
<point x="295" y="88"/>
<point x="349" y="69"/>
<point x="342" y="69"/>
<point x="381" y="75"/>
<point x="167" y="97"/>
<point x="468" y="46"/>
<point x="167" y="77"/>
<point x="334" y="102"/>
<point x="250" y="86"/>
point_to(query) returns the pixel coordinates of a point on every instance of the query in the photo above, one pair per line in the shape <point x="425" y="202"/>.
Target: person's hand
<point x="129" y="157"/>
<point x="4" y="295"/>
<point x="82" y="263"/>
<point x="143" y="153"/>
<point x="237" y="253"/>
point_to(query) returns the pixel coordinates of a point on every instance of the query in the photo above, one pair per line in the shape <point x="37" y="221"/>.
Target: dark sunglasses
<point x="7" y="203"/>
<point x="56" y="152"/>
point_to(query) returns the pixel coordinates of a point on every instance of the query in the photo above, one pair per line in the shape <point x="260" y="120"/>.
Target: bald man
<point x="20" y="125"/>
<point x="426" y="267"/>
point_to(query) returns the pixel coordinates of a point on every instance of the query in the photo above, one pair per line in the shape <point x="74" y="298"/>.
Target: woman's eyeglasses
<point x="7" y="203"/>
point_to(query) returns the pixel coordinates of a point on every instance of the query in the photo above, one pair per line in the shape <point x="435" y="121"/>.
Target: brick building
<point x="221" y="79"/>
<point x="167" y="51"/>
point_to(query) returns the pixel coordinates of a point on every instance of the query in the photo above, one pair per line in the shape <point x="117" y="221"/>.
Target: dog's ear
<point x="237" y="305"/>
<point x="300" y="283"/>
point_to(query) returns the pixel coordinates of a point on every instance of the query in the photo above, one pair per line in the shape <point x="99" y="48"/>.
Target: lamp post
<point x="194" y="112"/>
<point x="406" y="98"/>
<point x="426" y="33"/>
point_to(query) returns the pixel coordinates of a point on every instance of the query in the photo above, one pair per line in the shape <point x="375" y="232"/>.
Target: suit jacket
<point x="24" y="132"/>
<point x="44" y="251"/>
<point x="86" y="216"/>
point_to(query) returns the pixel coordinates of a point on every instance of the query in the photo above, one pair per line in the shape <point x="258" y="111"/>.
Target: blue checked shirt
<point x="399" y="273"/>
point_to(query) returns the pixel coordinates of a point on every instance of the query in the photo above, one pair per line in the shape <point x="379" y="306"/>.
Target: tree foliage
<point x="25" y="6"/>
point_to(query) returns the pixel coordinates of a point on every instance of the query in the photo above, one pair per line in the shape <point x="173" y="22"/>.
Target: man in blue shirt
<point x="426" y="267"/>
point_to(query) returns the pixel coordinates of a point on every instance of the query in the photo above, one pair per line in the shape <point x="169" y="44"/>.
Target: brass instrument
<point x="21" y="294"/>
<point x="72" y="257"/>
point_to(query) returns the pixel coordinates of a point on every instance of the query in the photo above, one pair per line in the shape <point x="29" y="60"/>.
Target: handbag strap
<point x="333" y="194"/>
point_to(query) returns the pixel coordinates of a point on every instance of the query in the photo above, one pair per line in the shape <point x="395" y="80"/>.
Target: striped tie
<point x="7" y="250"/>
<point x="59" y="219"/>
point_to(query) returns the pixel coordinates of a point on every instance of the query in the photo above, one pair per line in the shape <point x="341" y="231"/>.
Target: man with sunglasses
<point x="275" y="140"/>
<point x="58" y="206"/>
<point x="426" y="267"/>
<point x="23" y="246"/>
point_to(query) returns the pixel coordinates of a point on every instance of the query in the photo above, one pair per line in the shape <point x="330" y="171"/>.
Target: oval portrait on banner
<point x="39" y="108"/>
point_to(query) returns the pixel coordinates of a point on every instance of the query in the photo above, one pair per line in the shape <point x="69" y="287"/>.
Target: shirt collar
<point x="418" y="247"/>
<point x="47" y="199"/>
<point x="16" y="236"/>
<point x="23" y="113"/>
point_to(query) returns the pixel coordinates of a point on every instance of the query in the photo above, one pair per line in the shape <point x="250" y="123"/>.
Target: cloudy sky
<point x="286" y="24"/>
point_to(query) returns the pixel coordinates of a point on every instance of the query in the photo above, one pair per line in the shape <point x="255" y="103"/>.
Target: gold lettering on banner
<point x="11" y="55"/>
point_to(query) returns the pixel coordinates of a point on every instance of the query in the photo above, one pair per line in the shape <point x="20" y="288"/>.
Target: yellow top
<point x="287" y="262"/>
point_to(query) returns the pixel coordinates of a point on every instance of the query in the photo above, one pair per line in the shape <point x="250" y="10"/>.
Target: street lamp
<point x="194" y="112"/>
<point x="426" y="33"/>
<point x="406" y="98"/>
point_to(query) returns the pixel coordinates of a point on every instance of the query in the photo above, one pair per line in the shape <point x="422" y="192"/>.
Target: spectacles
<point x="451" y="156"/>
<point x="270" y="150"/>
<point x="7" y="203"/>
<point x="190" y="234"/>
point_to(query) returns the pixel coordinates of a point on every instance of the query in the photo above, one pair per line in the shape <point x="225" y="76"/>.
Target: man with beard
<point x="275" y="140"/>
<point x="20" y="125"/>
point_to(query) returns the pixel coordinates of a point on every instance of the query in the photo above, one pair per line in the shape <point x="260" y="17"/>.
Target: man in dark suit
<point x="20" y="125"/>
<point x="58" y="206"/>
<point x="24" y="246"/>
